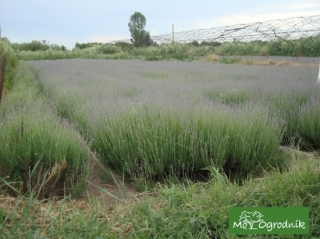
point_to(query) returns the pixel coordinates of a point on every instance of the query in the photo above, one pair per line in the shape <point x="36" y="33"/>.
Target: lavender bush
<point x="37" y="148"/>
<point x="151" y="118"/>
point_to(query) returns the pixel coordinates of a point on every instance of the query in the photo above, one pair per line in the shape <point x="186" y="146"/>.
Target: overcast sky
<point x="65" y="22"/>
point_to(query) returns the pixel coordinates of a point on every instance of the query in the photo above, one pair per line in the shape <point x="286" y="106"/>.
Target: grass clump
<point x="36" y="147"/>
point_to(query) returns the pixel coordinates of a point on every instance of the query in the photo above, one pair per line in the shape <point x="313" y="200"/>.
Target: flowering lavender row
<point x="38" y="149"/>
<point x="148" y="118"/>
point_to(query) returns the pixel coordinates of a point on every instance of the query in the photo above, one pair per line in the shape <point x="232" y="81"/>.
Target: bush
<point x="11" y="61"/>
<point x="109" y="49"/>
<point x="32" y="46"/>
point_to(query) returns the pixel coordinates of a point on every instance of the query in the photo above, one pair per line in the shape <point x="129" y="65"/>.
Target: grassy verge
<point x="184" y="210"/>
<point x="201" y="210"/>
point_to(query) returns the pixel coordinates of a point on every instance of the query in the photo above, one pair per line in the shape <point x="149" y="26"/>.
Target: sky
<point x="65" y="22"/>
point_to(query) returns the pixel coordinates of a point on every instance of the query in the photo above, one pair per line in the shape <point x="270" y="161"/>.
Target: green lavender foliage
<point x="154" y="118"/>
<point x="35" y="144"/>
<point x="309" y="124"/>
<point x="150" y="141"/>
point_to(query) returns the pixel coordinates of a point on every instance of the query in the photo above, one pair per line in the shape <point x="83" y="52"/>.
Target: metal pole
<point x="172" y="33"/>
<point x="318" y="81"/>
<point x="2" y="70"/>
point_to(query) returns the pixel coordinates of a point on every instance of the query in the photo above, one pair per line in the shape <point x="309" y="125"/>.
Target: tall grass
<point x="36" y="146"/>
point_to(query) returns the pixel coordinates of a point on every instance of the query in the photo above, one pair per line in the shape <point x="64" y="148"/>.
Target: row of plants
<point x="153" y="141"/>
<point x="298" y="106"/>
<point x="39" y="152"/>
<point x="151" y="119"/>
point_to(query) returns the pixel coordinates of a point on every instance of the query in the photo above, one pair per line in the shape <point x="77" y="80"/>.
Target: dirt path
<point x="107" y="185"/>
<point x="103" y="183"/>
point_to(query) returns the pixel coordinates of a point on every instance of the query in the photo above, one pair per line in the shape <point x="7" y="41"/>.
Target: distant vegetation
<point x="141" y="46"/>
<point x="38" y="50"/>
<point x="36" y="46"/>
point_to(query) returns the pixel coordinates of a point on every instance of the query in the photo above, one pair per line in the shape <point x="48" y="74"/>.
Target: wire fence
<point x="287" y="31"/>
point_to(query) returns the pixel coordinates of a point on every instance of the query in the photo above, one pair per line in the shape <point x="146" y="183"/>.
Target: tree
<point x="148" y="41"/>
<point x="136" y="28"/>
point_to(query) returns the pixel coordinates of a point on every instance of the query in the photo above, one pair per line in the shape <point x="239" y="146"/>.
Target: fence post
<point x="2" y="70"/>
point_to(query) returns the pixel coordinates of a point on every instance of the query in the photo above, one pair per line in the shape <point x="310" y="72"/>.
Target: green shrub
<point x="109" y="49"/>
<point x="32" y="46"/>
<point x="11" y="62"/>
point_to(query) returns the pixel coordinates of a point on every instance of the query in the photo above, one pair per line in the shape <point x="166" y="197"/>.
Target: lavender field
<point x="154" y="118"/>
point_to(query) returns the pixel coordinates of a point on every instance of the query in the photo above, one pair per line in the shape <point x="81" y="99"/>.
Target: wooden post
<point x="2" y="70"/>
